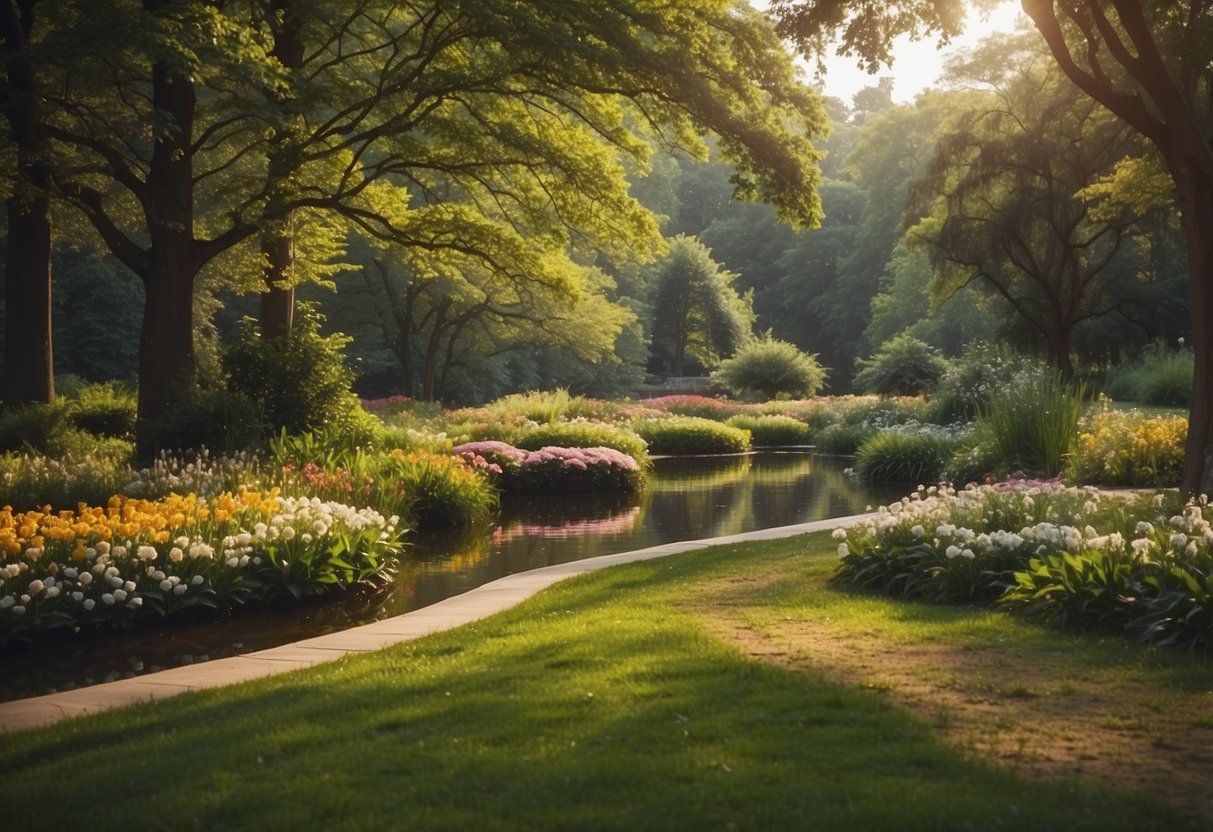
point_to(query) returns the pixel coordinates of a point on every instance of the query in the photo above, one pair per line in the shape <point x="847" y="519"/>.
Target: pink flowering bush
<point x="552" y="469"/>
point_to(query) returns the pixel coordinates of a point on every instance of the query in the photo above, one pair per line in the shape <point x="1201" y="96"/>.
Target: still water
<point x="685" y="499"/>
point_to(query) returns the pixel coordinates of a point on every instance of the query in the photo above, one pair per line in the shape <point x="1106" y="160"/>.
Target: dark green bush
<point x="904" y="366"/>
<point x="770" y="369"/>
<point x="1159" y="377"/>
<point x="222" y="420"/>
<point x="680" y="435"/>
<point x="300" y="382"/>
<point x="39" y="428"/>
<point x="895" y="456"/>
<point x="772" y="431"/>
<point x="970" y="381"/>
<point x="104" y="410"/>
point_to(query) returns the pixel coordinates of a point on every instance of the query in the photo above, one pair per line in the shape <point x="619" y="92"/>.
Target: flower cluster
<point x="552" y="469"/>
<point x="1064" y="553"/>
<point x="134" y="558"/>
<point x="1128" y="448"/>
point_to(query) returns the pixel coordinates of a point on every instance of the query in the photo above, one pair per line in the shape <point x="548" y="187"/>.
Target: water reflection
<point x="685" y="499"/>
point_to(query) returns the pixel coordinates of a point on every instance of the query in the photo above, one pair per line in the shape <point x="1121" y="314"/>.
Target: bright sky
<point x="916" y="65"/>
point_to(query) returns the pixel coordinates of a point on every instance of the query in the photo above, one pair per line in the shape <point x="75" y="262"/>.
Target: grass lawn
<point x="730" y="688"/>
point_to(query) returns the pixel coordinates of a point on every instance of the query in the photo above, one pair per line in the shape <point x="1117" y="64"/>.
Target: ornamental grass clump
<point x="1032" y="424"/>
<point x="908" y="453"/>
<point x="686" y="435"/>
<point x="134" y="560"/>
<point x="772" y="431"/>
<point x="1129" y="448"/>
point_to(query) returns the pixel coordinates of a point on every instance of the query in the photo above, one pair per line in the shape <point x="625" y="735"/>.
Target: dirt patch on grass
<point x="1033" y="713"/>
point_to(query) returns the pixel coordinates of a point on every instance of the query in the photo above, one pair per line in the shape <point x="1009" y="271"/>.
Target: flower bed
<point x="678" y="435"/>
<point x="553" y="470"/>
<point x="1062" y="554"/>
<point x="138" y="559"/>
<point x="1117" y="447"/>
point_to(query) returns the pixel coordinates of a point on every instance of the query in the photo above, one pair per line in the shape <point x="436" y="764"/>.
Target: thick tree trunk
<point x="166" y="344"/>
<point x="29" y="372"/>
<point x="1196" y="202"/>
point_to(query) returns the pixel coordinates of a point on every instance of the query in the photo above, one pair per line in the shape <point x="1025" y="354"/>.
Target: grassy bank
<point x="729" y="688"/>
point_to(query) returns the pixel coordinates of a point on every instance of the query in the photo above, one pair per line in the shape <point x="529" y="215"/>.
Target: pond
<point x="686" y="499"/>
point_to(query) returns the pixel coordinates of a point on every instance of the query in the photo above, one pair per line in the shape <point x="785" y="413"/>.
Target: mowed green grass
<point x="603" y="703"/>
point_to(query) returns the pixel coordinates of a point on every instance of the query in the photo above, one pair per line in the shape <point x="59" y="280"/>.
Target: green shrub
<point x="911" y="457"/>
<point x="679" y="435"/>
<point x="217" y="418"/>
<point x="1159" y="377"/>
<point x="440" y="490"/>
<point x="770" y="369"/>
<point x="300" y="382"/>
<point x="842" y="439"/>
<point x="856" y="420"/>
<point x="582" y="435"/>
<point x="904" y="366"/>
<point x="772" y="431"/>
<point x="969" y="382"/>
<point x="1032" y="425"/>
<point x="35" y="428"/>
<point x="104" y="410"/>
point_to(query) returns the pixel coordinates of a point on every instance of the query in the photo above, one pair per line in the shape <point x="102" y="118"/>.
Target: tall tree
<point x="489" y="130"/>
<point x="1145" y="60"/>
<point x="697" y="315"/>
<point x="1003" y="204"/>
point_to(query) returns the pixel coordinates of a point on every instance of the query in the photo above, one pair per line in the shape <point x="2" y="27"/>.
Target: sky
<point x="916" y="65"/>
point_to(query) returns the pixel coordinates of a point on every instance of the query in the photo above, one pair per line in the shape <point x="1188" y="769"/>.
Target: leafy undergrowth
<point x="612" y="701"/>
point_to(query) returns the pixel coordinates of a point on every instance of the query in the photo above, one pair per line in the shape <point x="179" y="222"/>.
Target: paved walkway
<point x="473" y="605"/>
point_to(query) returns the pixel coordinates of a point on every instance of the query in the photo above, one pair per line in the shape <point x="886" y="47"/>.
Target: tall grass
<point x="896" y="456"/>
<point x="1160" y="377"/>
<point x="1033" y="423"/>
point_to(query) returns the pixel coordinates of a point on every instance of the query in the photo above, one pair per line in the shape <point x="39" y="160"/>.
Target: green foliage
<point x="772" y="431"/>
<point x="770" y="369"/>
<point x="542" y="407"/>
<point x="1159" y="377"/>
<point x="300" y="382"/>
<point x="904" y="366"/>
<point x="104" y="410"/>
<point x="681" y="435"/>
<point x="1129" y="448"/>
<point x="1032" y="424"/>
<point x="440" y="490"/>
<point x="39" y="428"/>
<point x="703" y="407"/>
<point x="698" y="317"/>
<point x="851" y="421"/>
<point x="904" y="456"/>
<point x="970" y="380"/>
<point x="216" y="418"/>
<point x="582" y="434"/>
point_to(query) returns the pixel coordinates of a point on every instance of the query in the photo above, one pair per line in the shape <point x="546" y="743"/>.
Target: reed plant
<point x="1032" y="424"/>
<point x="772" y="431"/>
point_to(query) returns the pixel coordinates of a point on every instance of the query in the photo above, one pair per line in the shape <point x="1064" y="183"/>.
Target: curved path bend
<point x="472" y="605"/>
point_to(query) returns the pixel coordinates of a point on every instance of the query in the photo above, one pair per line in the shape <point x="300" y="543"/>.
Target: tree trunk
<point x="29" y="371"/>
<point x="429" y="372"/>
<point x="166" y="343"/>
<point x="277" y="312"/>
<point x="1196" y="202"/>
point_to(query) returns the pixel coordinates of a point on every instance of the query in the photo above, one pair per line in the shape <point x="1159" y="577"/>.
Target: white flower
<point x="952" y="552"/>
<point x="18" y="610"/>
<point x="288" y="532"/>
<point x="77" y="597"/>
<point x="918" y="531"/>
<point x="842" y="550"/>
<point x="179" y="589"/>
<point x="71" y="573"/>
<point x="233" y="562"/>
<point x="86" y="578"/>
<point x="1144" y="528"/>
<point x="146" y="553"/>
<point x="120" y="595"/>
<point x="52" y="592"/>
<point x="968" y="553"/>
<point x="1178" y="541"/>
<point x="107" y="599"/>
<point x="839" y="534"/>
<point x="136" y="602"/>
<point x="7" y="601"/>
<point x="36" y="586"/>
<point x="89" y="603"/>
<point x="129" y="586"/>
<point x="166" y="586"/>
<point x="176" y="555"/>
<point x="196" y="580"/>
